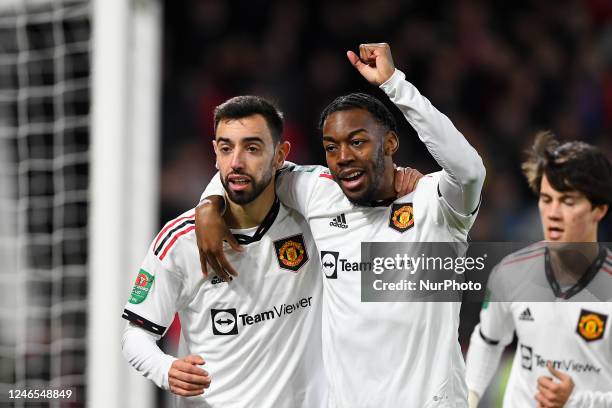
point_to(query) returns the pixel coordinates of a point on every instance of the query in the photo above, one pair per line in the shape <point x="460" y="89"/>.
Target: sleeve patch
<point x="142" y="287"/>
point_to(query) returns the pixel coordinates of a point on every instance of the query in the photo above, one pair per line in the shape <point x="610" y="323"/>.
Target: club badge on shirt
<point x="291" y="252"/>
<point x="591" y="325"/>
<point x="402" y="217"/>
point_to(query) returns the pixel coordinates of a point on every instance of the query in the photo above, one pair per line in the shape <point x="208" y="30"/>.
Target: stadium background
<point x="499" y="70"/>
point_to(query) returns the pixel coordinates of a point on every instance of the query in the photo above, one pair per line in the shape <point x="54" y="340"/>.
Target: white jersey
<point x="388" y="355"/>
<point x="384" y="354"/>
<point x="260" y="335"/>
<point x="571" y="333"/>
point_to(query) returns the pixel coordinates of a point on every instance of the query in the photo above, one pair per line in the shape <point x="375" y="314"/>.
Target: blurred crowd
<point x="500" y="71"/>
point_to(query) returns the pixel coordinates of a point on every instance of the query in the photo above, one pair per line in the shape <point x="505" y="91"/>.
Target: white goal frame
<point x="126" y="44"/>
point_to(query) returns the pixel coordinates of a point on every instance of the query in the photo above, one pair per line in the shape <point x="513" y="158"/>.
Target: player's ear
<point x="600" y="211"/>
<point x="214" y="143"/>
<point x="282" y="151"/>
<point x="391" y="143"/>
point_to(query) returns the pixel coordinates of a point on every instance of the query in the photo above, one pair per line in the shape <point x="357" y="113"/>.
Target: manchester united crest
<point x="291" y="252"/>
<point x="591" y="325"/>
<point x="402" y="217"/>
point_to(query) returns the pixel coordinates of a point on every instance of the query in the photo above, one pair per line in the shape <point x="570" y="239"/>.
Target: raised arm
<point x="463" y="170"/>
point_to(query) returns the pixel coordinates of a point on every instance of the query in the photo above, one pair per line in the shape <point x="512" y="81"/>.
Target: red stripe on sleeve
<point x="325" y="175"/>
<point x="176" y="236"/>
<point x="167" y="227"/>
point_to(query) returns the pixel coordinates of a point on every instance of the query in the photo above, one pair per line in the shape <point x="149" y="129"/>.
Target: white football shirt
<point x="573" y="334"/>
<point x="260" y="335"/>
<point x="389" y="355"/>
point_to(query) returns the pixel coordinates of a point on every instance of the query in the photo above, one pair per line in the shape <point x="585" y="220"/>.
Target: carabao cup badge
<point x="142" y="286"/>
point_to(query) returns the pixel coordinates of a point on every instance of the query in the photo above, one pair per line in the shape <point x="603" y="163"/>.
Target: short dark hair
<point x="243" y="106"/>
<point x="360" y="101"/>
<point x="576" y="166"/>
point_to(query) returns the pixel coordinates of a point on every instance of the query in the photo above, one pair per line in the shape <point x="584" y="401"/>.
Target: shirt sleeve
<point x="488" y="341"/>
<point x="496" y="322"/>
<point x="463" y="170"/>
<point x="214" y="187"/>
<point x="481" y="361"/>
<point x="158" y="293"/>
<point x="296" y="185"/>
<point x="155" y="296"/>
<point x="140" y="349"/>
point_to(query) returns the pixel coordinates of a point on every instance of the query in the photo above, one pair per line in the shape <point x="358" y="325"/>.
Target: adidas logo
<point x="339" y="222"/>
<point x="526" y="315"/>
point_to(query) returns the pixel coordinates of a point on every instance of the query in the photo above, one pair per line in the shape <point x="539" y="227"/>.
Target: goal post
<point x="126" y="45"/>
<point x="79" y="140"/>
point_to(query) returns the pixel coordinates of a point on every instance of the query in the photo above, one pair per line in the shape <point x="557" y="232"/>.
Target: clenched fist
<point x="374" y="62"/>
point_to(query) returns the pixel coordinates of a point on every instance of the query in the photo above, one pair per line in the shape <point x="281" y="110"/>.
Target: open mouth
<point x="352" y="179"/>
<point x="238" y="182"/>
<point x="555" y="233"/>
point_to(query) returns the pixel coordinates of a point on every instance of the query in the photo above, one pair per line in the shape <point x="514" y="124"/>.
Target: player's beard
<point x="248" y="195"/>
<point x="375" y="173"/>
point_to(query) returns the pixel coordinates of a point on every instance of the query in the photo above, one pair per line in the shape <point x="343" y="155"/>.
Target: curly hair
<point x="360" y="101"/>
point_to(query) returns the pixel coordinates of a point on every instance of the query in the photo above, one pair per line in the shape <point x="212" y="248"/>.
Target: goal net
<point x="47" y="192"/>
<point x="44" y="144"/>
